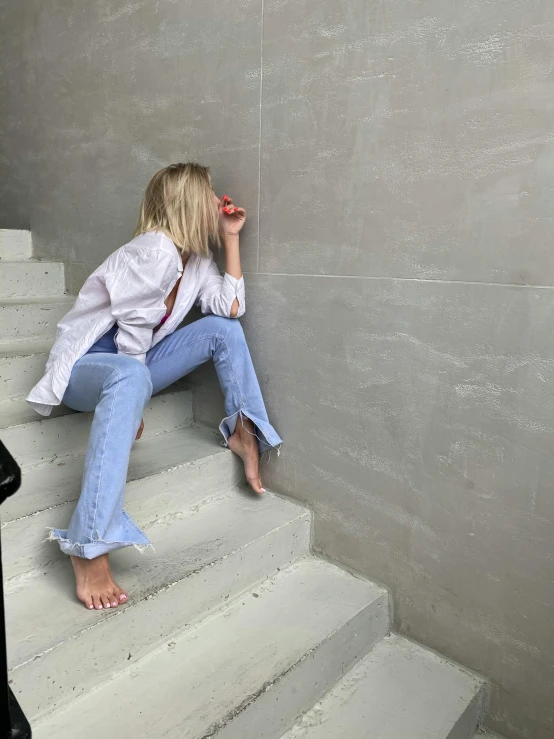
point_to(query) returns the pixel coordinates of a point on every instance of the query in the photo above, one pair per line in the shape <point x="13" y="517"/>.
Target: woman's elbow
<point x="237" y="310"/>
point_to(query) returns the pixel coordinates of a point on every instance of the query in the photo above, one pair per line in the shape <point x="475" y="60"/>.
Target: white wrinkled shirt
<point x="130" y="289"/>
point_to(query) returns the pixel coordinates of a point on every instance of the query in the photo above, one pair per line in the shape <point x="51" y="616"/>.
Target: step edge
<point x="15" y="583"/>
<point x="168" y="585"/>
<point x="63" y="419"/>
<point x="38" y="300"/>
<point x="23" y="348"/>
<point x="207" y="612"/>
<point x="29" y="260"/>
<point x="134" y="482"/>
<point x="472" y="674"/>
<point x="472" y="717"/>
<point x="27" y="467"/>
<point x="327" y="639"/>
<point x="379" y="599"/>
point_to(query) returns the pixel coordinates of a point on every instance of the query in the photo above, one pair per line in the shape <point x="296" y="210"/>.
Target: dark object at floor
<point x="14" y="723"/>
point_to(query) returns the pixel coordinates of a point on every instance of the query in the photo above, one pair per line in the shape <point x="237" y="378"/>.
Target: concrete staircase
<point x="234" y="629"/>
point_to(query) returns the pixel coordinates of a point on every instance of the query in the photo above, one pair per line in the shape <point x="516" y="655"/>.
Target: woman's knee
<point x="225" y="326"/>
<point x="136" y="374"/>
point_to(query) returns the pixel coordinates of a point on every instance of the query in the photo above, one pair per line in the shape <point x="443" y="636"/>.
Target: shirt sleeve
<point x="217" y="294"/>
<point x="138" y="288"/>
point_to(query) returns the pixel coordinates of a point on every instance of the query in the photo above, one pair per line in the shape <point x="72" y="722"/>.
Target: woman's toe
<point x="97" y="603"/>
<point x="256" y="485"/>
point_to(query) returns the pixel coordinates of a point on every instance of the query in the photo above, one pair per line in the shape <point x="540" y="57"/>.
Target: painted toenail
<point x="99" y="607"/>
<point x="114" y="603"/>
<point x="107" y="605"/>
<point x="91" y="606"/>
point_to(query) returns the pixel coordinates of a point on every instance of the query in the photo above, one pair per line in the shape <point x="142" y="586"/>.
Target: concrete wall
<point x="400" y="266"/>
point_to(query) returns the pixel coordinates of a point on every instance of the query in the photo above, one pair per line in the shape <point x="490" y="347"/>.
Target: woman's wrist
<point x="230" y="240"/>
<point x="232" y="255"/>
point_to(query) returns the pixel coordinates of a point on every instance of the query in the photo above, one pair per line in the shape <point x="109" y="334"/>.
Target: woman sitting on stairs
<point x="120" y="343"/>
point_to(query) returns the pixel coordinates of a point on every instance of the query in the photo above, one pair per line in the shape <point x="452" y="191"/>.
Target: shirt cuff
<point x="232" y="289"/>
<point x="140" y="357"/>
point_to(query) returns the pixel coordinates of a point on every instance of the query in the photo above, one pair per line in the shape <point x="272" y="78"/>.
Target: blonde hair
<point x="179" y="201"/>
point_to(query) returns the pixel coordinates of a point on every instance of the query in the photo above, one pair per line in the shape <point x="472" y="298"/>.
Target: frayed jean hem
<point x="93" y="549"/>
<point x="265" y="434"/>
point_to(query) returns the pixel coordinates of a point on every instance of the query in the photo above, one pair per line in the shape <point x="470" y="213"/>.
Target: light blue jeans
<point x="117" y="388"/>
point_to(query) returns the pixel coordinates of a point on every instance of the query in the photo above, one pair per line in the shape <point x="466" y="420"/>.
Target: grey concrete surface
<point x="15" y="245"/>
<point x="402" y="156"/>
<point x="382" y="698"/>
<point x="408" y="139"/>
<point x="419" y="423"/>
<point x="257" y="668"/>
<point x="122" y="89"/>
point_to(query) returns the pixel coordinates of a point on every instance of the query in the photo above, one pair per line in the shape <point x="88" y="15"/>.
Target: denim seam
<point x="115" y="369"/>
<point x="232" y="371"/>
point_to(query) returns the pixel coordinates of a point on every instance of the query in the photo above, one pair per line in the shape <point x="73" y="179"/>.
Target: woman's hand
<point x="232" y="220"/>
<point x="232" y="217"/>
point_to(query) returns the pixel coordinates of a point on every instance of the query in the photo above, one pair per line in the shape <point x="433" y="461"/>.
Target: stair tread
<point x="205" y="469"/>
<point x="30" y="260"/>
<point x="207" y="531"/>
<point x="398" y="690"/>
<point x="31" y="277"/>
<point x="15" y="411"/>
<point x="48" y="439"/>
<point x="204" y="675"/>
<point x="39" y="300"/>
<point x="26" y="319"/>
<point x="168" y="590"/>
<point x="46" y="486"/>
<point x="25" y="348"/>
<point x="15" y="244"/>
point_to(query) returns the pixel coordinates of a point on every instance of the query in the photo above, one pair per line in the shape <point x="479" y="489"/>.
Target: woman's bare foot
<point x="96" y="587"/>
<point x="244" y="443"/>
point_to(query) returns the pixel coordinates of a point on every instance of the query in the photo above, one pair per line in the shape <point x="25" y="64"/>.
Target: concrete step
<point x="203" y="471"/>
<point x="245" y="672"/>
<point x="31" y="279"/>
<point x="399" y="690"/>
<point x="229" y="544"/>
<point x="56" y="439"/>
<point x="191" y="456"/>
<point x="15" y="411"/>
<point x="15" y="244"/>
<point x="21" y="369"/>
<point x="24" y="320"/>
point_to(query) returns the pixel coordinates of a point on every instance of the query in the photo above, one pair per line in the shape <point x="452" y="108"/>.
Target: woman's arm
<point x="224" y="296"/>
<point x="232" y="220"/>
<point x="232" y="264"/>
